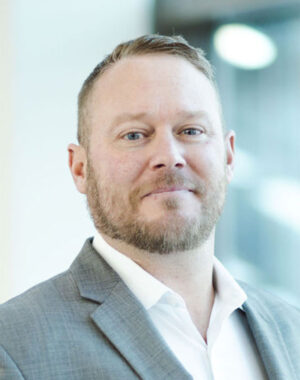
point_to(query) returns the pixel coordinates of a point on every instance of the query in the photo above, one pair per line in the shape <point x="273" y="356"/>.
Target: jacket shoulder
<point x="46" y="297"/>
<point x="266" y="302"/>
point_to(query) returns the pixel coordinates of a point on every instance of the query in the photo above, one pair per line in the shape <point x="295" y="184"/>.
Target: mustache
<point x="169" y="179"/>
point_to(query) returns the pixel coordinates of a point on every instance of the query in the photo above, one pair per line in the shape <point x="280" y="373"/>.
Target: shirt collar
<point x="149" y="290"/>
<point x="143" y="285"/>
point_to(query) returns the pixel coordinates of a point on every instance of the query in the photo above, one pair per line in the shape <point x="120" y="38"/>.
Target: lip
<point x="168" y="189"/>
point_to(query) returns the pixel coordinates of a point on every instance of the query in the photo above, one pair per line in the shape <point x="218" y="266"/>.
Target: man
<point x="146" y="298"/>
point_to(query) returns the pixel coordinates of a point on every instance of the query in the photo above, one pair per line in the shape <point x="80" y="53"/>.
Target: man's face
<point x="155" y="124"/>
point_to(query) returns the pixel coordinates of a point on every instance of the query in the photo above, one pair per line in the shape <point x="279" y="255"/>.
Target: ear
<point x="77" y="165"/>
<point x="229" y="154"/>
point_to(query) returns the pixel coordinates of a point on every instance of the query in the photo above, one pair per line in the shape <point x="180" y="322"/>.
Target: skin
<point x="174" y="138"/>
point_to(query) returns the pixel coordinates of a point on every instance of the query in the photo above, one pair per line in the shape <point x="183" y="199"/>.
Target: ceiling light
<point x="279" y="199"/>
<point x="244" y="46"/>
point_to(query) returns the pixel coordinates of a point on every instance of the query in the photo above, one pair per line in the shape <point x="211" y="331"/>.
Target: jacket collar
<point x="267" y="333"/>
<point x="122" y="319"/>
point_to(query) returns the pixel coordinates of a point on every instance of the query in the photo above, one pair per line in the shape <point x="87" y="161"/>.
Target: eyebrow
<point x="127" y="116"/>
<point x="183" y="115"/>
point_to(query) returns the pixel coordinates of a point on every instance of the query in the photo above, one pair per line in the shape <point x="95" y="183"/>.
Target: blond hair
<point x="147" y="44"/>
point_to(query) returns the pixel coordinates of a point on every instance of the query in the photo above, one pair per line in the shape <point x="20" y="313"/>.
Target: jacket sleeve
<point x="8" y="368"/>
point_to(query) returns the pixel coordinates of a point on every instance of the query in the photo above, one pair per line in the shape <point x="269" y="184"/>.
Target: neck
<point x="187" y="273"/>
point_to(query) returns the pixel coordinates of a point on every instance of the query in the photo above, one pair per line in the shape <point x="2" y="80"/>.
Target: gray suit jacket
<point x="86" y="324"/>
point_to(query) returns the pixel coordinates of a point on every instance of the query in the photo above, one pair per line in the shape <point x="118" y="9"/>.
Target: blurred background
<point x="48" y="49"/>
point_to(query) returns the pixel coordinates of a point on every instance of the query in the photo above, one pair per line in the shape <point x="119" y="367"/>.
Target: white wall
<point x="5" y="146"/>
<point x="54" y="47"/>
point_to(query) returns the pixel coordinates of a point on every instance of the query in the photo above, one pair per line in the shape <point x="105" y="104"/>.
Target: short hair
<point x="147" y="44"/>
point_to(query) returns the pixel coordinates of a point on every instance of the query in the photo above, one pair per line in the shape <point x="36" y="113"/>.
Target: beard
<point x="119" y="219"/>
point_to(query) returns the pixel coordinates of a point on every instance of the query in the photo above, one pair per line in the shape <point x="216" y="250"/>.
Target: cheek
<point x="206" y="160"/>
<point x="121" y="169"/>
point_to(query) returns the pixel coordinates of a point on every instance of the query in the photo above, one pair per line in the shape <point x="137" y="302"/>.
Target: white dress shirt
<point x="230" y="352"/>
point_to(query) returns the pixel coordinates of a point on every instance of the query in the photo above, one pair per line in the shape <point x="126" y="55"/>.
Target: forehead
<point x="155" y="84"/>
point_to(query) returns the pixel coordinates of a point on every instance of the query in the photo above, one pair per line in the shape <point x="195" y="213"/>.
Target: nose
<point x="167" y="152"/>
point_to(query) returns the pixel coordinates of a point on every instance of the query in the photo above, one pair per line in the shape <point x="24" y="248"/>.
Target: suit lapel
<point x="268" y="337"/>
<point x="123" y="320"/>
<point x="125" y="323"/>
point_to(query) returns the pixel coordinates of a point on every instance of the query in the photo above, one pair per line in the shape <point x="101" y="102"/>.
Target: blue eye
<point x="192" y="129"/>
<point x="132" y="134"/>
